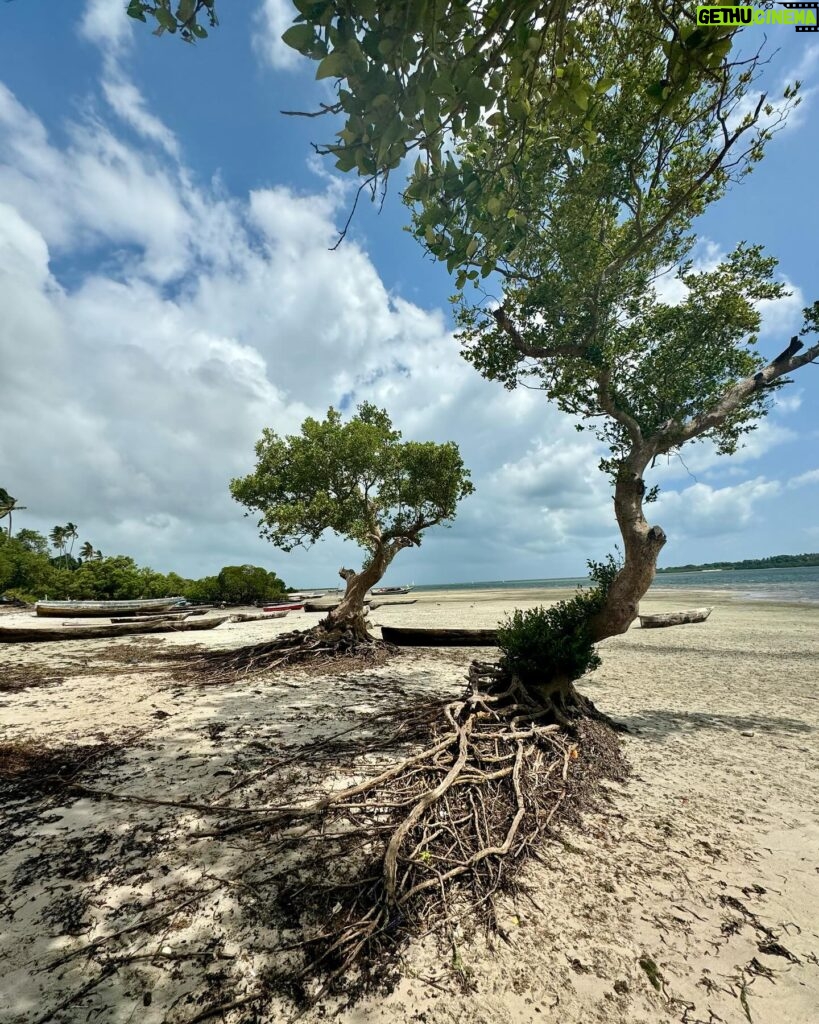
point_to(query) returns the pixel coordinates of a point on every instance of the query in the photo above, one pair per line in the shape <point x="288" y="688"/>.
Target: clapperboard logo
<point x="804" y="17"/>
<point x="813" y="8"/>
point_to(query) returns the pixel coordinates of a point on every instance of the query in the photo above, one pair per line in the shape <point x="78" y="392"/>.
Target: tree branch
<point x="609" y="405"/>
<point x="534" y="351"/>
<point x="672" y="434"/>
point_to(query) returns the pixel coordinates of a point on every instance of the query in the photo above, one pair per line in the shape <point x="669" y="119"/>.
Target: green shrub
<point x="547" y="643"/>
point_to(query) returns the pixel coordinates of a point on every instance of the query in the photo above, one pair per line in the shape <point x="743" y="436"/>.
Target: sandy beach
<point x="689" y="894"/>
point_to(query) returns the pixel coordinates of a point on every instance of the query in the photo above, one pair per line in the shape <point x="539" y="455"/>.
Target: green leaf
<point x="299" y="36"/>
<point x="165" y="19"/>
<point x="334" y="65"/>
<point x="186" y="10"/>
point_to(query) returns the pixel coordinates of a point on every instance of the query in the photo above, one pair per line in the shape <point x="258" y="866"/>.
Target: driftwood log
<point x="28" y="634"/>
<point x="407" y="636"/>
<point x="674" y="618"/>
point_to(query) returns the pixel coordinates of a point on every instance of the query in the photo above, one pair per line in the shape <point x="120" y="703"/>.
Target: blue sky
<point x="166" y="291"/>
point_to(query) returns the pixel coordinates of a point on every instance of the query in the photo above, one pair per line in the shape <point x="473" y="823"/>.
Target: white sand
<point x="709" y="852"/>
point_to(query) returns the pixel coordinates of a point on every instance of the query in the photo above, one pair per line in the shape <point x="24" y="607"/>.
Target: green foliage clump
<point x="556" y="643"/>
<point x="28" y="573"/>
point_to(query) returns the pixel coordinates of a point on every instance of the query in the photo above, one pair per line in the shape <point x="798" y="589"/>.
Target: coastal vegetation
<point x="771" y="562"/>
<point x="359" y="480"/>
<point x="29" y="571"/>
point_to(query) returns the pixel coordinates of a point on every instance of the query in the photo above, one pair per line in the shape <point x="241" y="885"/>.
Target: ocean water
<point x="798" y="584"/>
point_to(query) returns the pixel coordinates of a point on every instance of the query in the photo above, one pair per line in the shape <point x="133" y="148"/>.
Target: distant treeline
<point x="773" y="562"/>
<point x="30" y="571"/>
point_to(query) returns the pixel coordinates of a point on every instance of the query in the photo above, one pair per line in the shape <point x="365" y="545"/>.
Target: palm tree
<point x="87" y="551"/>
<point x="7" y="506"/>
<point x="71" y="534"/>
<point x="98" y="555"/>
<point x="57" y="538"/>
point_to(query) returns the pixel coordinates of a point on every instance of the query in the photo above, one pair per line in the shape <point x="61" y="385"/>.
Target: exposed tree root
<point x="315" y="646"/>
<point x="437" y="815"/>
<point x="370" y="865"/>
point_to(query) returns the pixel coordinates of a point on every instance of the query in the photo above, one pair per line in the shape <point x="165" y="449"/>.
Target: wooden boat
<point x="31" y="634"/>
<point x="381" y="591"/>
<point x="389" y="604"/>
<point x="411" y="636"/>
<point x="326" y="606"/>
<point x="253" y="617"/>
<point x="674" y="618"/>
<point x="157" y="617"/>
<point x="283" y="607"/>
<point x="104" y="609"/>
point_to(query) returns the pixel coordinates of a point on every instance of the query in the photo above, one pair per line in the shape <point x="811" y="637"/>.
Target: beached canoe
<point x="104" y="609"/>
<point x="411" y="636"/>
<point x="674" y="618"/>
<point x="382" y="591"/>
<point x="389" y="604"/>
<point x="156" y="617"/>
<point x="283" y="607"/>
<point x="31" y="634"/>
<point x="254" y="617"/>
<point x="326" y="606"/>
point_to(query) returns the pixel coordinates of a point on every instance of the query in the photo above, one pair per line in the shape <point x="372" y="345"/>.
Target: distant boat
<point x="380" y="591"/>
<point x="104" y="609"/>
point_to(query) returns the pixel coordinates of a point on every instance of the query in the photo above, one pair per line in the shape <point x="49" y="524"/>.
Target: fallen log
<point x="411" y="636"/>
<point x="29" y="634"/>
<point x="387" y="604"/>
<point x="674" y="618"/>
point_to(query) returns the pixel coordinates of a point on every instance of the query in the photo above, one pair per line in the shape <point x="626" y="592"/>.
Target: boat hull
<point x="411" y="636"/>
<point x="103" y="609"/>
<point x="33" y="634"/>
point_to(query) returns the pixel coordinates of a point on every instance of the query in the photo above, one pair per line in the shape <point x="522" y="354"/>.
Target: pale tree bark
<point x="351" y="614"/>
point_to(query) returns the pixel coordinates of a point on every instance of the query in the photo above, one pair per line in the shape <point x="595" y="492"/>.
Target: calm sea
<point x="800" y="584"/>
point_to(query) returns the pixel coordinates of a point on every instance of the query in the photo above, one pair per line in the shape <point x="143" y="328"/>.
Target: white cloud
<point x="199" y="319"/>
<point x="704" y="511"/>
<point x="105" y="24"/>
<point x="804" y="479"/>
<point x="272" y="19"/>
<point x="129" y="104"/>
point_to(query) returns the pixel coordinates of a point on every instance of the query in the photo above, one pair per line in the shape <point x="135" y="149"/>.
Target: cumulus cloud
<point x="196" y="320"/>
<point x="704" y="511"/>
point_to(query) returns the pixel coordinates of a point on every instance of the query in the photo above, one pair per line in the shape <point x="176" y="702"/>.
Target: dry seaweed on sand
<point x="315" y="647"/>
<point x="14" y="678"/>
<point x="30" y="768"/>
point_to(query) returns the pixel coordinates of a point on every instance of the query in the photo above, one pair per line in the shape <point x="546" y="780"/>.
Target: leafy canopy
<point x="358" y="479"/>
<point x="421" y="74"/>
<point x="594" y="230"/>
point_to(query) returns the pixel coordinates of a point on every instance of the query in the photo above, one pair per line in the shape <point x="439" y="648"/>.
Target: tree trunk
<point x="350" y="614"/>
<point x="642" y="545"/>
